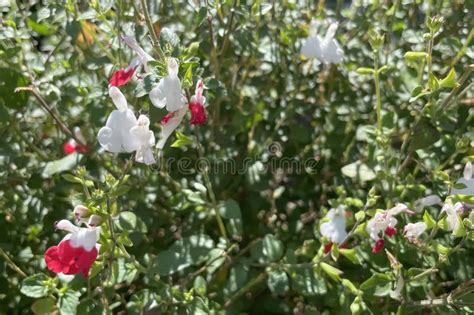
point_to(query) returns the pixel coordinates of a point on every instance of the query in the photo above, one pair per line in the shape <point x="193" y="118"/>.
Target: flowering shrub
<point x="236" y="157"/>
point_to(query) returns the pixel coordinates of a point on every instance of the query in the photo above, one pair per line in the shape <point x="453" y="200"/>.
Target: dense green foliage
<point x="302" y="137"/>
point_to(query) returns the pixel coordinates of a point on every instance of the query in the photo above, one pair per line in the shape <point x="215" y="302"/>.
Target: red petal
<point x="82" y="148"/>
<point x="86" y="259"/>
<point x="198" y="114"/>
<point x="390" y="231"/>
<point x="327" y="247"/>
<point x="121" y="77"/>
<point x="69" y="148"/>
<point x="378" y="246"/>
<point x="167" y="118"/>
<point x="51" y="258"/>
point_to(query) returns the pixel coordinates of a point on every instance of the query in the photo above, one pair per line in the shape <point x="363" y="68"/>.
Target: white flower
<point x="335" y="228"/>
<point x="115" y="136"/>
<point x="145" y="139"/>
<point x="427" y="201"/>
<point x="142" y="56"/>
<point x="466" y="180"/>
<point x="383" y="223"/>
<point x="326" y="49"/>
<point x="452" y="213"/>
<point x="79" y="237"/>
<point x="168" y="124"/>
<point x="168" y="91"/>
<point x="412" y="231"/>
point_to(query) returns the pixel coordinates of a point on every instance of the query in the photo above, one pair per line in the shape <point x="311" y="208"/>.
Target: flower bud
<point x="81" y="212"/>
<point x="95" y="220"/>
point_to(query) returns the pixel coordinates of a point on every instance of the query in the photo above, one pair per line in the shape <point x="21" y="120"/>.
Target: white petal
<point x="331" y="52"/>
<point x="173" y="68"/>
<point x="427" y="201"/>
<point x="468" y="171"/>
<point x="115" y="136"/>
<point x="132" y="43"/>
<point x="312" y="48"/>
<point x="331" y="32"/>
<point x="118" y="98"/>
<point x="157" y="95"/>
<point x="85" y="237"/>
<point x="170" y="126"/>
<point x="66" y="225"/>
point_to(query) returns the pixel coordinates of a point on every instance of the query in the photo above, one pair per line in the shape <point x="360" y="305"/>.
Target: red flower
<point x="72" y="146"/>
<point x="198" y="114"/>
<point x="390" y="231"/>
<point x="378" y="246"/>
<point x="122" y="76"/>
<point x="70" y="260"/>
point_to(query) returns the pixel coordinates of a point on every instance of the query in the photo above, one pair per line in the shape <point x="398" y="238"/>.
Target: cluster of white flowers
<point x="123" y="132"/>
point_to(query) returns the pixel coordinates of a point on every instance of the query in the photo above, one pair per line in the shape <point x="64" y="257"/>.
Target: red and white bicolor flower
<point x="173" y="119"/>
<point x="334" y="229"/>
<point x="115" y="136"/>
<point x="145" y="139"/>
<point x="383" y="223"/>
<point x="76" y="252"/>
<point x="168" y="92"/>
<point x="412" y="231"/>
<point x="122" y="76"/>
<point x="197" y="106"/>
<point x="72" y="146"/>
<point x="326" y="49"/>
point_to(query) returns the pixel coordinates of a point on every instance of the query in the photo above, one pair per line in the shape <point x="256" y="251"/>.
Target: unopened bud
<point x="81" y="212"/>
<point x="95" y="220"/>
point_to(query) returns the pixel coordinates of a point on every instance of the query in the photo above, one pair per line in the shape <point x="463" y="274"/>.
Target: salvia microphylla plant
<point x="237" y="157"/>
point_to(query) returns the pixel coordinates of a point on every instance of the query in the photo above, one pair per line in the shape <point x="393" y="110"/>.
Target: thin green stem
<point x="377" y="92"/>
<point x="210" y="190"/>
<point x="151" y="30"/>
<point x="11" y="263"/>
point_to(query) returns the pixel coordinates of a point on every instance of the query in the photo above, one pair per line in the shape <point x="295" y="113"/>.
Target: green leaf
<point x="127" y="220"/>
<point x="459" y="231"/>
<point x="65" y="164"/>
<point x="433" y="82"/>
<point x="278" y="282"/>
<point x="331" y="271"/>
<point x="44" y="306"/>
<point x="189" y="251"/>
<point x="449" y="81"/>
<point x="68" y="303"/>
<point x="230" y="211"/>
<point x="11" y="79"/>
<point x="378" y="284"/>
<point x="304" y="282"/>
<point x="424" y="136"/>
<point x="182" y="140"/>
<point x="430" y="222"/>
<point x="350" y="254"/>
<point x="272" y="248"/>
<point x="34" y="286"/>
<point x="200" y="286"/>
